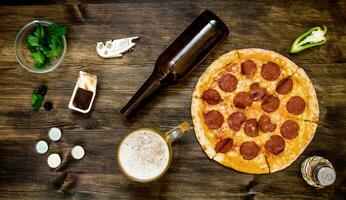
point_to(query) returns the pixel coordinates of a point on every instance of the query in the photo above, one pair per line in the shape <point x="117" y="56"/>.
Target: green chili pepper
<point x="313" y="37"/>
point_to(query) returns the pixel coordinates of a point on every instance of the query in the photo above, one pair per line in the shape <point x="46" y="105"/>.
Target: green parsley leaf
<point x="45" y="43"/>
<point x="55" y="40"/>
<point x="53" y="53"/>
<point x="53" y="43"/>
<point x="39" y="58"/>
<point x="36" y="101"/>
<point x="32" y="49"/>
<point x="56" y="30"/>
<point x="39" y="32"/>
<point x="33" y="41"/>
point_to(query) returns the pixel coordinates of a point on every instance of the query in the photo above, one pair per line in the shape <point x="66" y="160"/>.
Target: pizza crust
<point x="199" y="128"/>
<point x="293" y="147"/>
<point x="286" y="64"/>
<point x="196" y="112"/>
<point x="234" y="160"/>
<point x="302" y="86"/>
<point x="262" y="56"/>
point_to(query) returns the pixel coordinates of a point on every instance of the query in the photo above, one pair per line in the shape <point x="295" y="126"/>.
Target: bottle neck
<point x="149" y="87"/>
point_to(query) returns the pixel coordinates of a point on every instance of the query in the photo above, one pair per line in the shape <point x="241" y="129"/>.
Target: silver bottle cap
<point x="41" y="147"/>
<point x="325" y="175"/>
<point x="77" y="152"/>
<point x="54" y="134"/>
<point x="54" y="160"/>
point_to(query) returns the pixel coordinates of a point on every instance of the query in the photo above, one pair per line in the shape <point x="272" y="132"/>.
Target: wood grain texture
<point x="263" y="24"/>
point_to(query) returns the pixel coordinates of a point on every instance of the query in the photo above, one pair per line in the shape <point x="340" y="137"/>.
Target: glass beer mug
<point x="145" y="154"/>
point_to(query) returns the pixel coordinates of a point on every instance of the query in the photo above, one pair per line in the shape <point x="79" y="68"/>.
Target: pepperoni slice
<point x="284" y="86"/>
<point x="249" y="150"/>
<point x="270" y="103"/>
<point x="228" y="83"/>
<point x="248" y="68"/>
<point x="265" y="124"/>
<point x="211" y="96"/>
<point x="235" y="120"/>
<point x="213" y="119"/>
<point x="275" y="144"/>
<point x="224" y="145"/>
<point x="251" y="128"/>
<point x="270" y="71"/>
<point x="242" y="100"/>
<point x="257" y="92"/>
<point x="296" y="105"/>
<point x="289" y="129"/>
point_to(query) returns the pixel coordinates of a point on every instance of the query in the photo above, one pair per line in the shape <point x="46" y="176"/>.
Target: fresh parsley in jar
<point x="46" y="42"/>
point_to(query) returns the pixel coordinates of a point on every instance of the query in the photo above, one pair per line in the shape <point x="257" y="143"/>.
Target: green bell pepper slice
<point x="311" y="38"/>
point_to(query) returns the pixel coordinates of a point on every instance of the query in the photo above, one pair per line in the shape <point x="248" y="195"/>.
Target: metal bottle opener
<point x="115" y="48"/>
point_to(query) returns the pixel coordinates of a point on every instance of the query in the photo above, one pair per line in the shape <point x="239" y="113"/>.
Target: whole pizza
<point x="254" y="110"/>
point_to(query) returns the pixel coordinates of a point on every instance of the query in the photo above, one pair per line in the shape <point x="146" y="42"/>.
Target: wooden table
<point x="265" y="24"/>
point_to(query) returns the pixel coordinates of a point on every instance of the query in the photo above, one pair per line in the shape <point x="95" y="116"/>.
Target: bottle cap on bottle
<point x="325" y="175"/>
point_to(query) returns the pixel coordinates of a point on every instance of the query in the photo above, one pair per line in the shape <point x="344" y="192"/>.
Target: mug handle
<point x="177" y="132"/>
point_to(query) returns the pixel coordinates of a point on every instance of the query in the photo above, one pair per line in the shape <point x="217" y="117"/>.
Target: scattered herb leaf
<point x="36" y="101"/>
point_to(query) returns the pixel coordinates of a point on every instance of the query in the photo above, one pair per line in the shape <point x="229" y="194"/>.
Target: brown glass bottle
<point x="181" y="57"/>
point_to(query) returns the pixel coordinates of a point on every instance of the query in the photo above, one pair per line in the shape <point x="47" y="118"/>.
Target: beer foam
<point x="143" y="155"/>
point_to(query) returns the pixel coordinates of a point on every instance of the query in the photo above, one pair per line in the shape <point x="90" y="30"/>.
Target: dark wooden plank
<point x="264" y="24"/>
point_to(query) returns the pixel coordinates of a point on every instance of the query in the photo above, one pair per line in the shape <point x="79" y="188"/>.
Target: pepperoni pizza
<point x="254" y="110"/>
